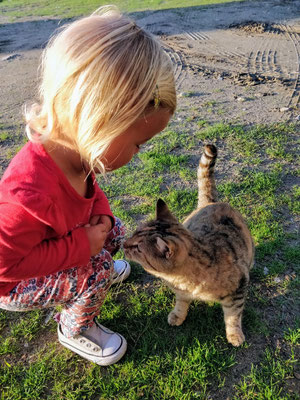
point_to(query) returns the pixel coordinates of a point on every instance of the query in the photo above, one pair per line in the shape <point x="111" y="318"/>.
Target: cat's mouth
<point x="131" y="250"/>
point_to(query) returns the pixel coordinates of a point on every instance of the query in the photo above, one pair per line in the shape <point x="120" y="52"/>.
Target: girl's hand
<point x="103" y="220"/>
<point x="97" y="235"/>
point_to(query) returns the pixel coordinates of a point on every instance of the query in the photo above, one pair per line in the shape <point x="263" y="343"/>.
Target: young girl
<point x="107" y="88"/>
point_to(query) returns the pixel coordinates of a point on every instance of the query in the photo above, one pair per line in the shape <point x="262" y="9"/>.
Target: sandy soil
<point x="243" y="58"/>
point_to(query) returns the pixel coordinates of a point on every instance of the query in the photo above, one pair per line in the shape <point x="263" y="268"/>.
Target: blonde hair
<point x="99" y="75"/>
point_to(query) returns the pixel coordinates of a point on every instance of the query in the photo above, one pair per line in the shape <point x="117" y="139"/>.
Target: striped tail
<point x="207" y="192"/>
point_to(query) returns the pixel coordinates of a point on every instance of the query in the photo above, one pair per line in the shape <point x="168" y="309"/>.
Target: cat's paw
<point x="174" y="319"/>
<point x="235" y="337"/>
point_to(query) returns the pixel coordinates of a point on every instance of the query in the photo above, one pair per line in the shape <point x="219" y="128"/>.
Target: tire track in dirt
<point x="235" y="56"/>
<point x="179" y="63"/>
<point x="196" y="36"/>
<point x="205" y="47"/>
<point x="264" y="60"/>
<point x="208" y="53"/>
<point x="177" y="57"/>
<point x="294" y="37"/>
<point x="217" y="50"/>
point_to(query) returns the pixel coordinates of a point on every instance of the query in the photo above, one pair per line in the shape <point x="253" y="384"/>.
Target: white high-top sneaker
<point x="98" y="344"/>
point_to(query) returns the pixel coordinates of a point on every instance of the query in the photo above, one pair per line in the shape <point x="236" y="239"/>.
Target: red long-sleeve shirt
<point x="42" y="218"/>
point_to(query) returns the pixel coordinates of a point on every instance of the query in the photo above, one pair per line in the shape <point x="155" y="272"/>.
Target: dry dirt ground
<point x="234" y="63"/>
<point x="243" y="58"/>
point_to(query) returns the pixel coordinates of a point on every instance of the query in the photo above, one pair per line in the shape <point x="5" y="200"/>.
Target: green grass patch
<point x="4" y="136"/>
<point x="266" y="380"/>
<point x="156" y="161"/>
<point x="73" y="8"/>
<point x="194" y="360"/>
<point x="292" y="336"/>
<point x="161" y="363"/>
<point x="249" y="144"/>
<point x="256" y="197"/>
<point x="22" y="330"/>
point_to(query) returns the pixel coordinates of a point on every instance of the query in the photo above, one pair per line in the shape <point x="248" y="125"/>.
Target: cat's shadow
<point x="142" y="320"/>
<point x="144" y="304"/>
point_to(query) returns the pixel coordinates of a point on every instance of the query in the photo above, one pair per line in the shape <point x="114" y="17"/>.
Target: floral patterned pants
<point x="81" y="290"/>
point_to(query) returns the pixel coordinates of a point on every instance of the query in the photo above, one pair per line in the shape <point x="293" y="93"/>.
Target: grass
<point x="194" y="360"/>
<point x="72" y="8"/>
<point x="266" y="380"/>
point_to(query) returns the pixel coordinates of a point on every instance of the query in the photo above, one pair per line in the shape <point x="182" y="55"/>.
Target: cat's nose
<point x="128" y="243"/>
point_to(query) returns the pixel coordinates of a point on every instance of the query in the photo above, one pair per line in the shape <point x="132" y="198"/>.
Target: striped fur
<point x="207" y="192"/>
<point x="207" y="257"/>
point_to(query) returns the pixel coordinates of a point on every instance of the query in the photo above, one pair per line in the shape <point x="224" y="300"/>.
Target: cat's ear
<point x="163" y="213"/>
<point x="163" y="248"/>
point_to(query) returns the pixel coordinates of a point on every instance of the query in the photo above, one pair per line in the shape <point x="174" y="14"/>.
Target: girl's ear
<point x="163" y="248"/>
<point x="163" y="213"/>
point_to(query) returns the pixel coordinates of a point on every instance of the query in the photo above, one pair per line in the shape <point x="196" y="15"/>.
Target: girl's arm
<point x="101" y="205"/>
<point x="101" y="209"/>
<point x="25" y="253"/>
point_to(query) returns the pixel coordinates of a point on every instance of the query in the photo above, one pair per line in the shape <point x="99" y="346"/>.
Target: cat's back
<point x="213" y="216"/>
<point x="220" y="224"/>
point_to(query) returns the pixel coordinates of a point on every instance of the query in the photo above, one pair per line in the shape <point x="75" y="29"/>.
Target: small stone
<point x="266" y="271"/>
<point x="284" y="109"/>
<point x="277" y="279"/>
<point x="26" y="344"/>
<point x="297" y="118"/>
<point x="241" y="99"/>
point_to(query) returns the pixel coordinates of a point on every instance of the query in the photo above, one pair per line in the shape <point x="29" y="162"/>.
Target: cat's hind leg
<point x="179" y="312"/>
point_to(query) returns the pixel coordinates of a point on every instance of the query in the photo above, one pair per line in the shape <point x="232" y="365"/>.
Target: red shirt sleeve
<point x="101" y="205"/>
<point x="27" y="249"/>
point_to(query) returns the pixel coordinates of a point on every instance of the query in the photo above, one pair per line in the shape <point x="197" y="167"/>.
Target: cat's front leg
<point x="179" y="313"/>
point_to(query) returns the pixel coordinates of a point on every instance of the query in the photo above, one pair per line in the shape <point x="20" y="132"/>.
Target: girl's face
<point x="125" y="146"/>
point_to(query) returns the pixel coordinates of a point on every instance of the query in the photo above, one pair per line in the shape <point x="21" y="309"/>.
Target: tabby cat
<point x="207" y="258"/>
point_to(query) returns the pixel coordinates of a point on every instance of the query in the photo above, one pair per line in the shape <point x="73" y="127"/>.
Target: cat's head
<point x="160" y="245"/>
